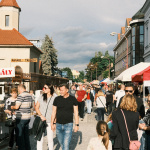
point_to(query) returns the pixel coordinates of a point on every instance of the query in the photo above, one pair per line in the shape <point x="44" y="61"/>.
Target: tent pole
<point x="143" y="93"/>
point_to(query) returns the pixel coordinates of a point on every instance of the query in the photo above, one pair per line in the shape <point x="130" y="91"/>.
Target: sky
<point x="79" y="28"/>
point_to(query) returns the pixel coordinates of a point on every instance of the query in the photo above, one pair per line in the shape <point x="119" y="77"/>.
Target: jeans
<point x="23" y="134"/>
<point x="100" y="113"/>
<point x="81" y="108"/>
<point x="110" y="107"/>
<point x="89" y="106"/>
<point x="49" y="138"/>
<point x="64" y="133"/>
<point x="12" y="136"/>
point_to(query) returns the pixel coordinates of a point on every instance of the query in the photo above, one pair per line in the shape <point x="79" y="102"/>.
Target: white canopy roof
<point x="126" y="75"/>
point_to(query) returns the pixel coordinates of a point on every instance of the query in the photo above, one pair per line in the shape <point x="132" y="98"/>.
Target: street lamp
<point x="109" y="63"/>
<point x="112" y="34"/>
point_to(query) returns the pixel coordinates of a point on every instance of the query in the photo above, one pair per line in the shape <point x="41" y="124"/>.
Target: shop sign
<point x="24" y="60"/>
<point x="7" y="72"/>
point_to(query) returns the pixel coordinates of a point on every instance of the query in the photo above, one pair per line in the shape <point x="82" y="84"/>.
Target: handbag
<point x="9" y="122"/>
<point x="134" y="145"/>
<point x="103" y="105"/>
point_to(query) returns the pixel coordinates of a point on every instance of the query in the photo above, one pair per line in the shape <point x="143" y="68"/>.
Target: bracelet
<point x="54" y="123"/>
<point x="76" y="124"/>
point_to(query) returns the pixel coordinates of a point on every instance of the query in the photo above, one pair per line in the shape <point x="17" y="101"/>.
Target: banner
<point x="7" y="72"/>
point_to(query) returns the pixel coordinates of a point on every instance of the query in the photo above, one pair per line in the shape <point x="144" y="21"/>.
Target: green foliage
<point x="49" y="56"/>
<point x="100" y="64"/>
<point x="80" y="78"/>
<point x="69" y="72"/>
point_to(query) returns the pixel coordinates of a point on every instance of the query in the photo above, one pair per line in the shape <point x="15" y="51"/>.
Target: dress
<point x="97" y="144"/>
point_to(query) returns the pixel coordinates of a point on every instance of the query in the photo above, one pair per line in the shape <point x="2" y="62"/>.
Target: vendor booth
<point x="126" y="76"/>
<point x="143" y="77"/>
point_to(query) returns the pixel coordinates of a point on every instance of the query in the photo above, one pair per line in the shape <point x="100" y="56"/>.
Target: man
<point x="72" y="90"/>
<point x="120" y="93"/>
<point x="64" y="107"/>
<point x="129" y="89"/>
<point x="81" y="97"/>
<point x="23" y="115"/>
<point x="89" y="101"/>
<point x="109" y="100"/>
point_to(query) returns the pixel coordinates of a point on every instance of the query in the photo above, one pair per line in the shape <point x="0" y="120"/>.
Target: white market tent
<point x="126" y="75"/>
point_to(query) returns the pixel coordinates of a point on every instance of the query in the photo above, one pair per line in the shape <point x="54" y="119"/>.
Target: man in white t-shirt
<point x="120" y="93"/>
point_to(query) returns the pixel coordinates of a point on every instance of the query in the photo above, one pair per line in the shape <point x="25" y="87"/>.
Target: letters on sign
<point x="24" y="60"/>
<point x="7" y="72"/>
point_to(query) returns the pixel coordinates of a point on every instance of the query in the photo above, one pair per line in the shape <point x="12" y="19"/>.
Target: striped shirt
<point x="24" y="100"/>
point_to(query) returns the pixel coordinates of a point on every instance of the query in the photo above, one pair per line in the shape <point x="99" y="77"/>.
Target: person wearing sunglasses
<point x="129" y="89"/>
<point x="44" y="110"/>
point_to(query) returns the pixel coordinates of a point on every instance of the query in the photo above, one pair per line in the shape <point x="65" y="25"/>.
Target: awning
<point x="127" y="74"/>
<point x="105" y="81"/>
<point x="144" y="75"/>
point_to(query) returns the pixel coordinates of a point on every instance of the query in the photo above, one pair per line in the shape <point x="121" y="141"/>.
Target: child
<point x="101" y="142"/>
<point x="10" y="114"/>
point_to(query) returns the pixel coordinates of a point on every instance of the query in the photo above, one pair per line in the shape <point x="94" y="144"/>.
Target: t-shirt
<point x="97" y="144"/>
<point x="81" y="95"/>
<point x="25" y="101"/>
<point x="88" y="96"/>
<point x="65" y="109"/>
<point x="118" y="95"/>
<point x="109" y="96"/>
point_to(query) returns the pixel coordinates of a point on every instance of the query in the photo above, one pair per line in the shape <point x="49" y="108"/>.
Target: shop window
<point x="34" y="67"/>
<point x="7" y="20"/>
<point x="133" y="39"/>
<point x="133" y="47"/>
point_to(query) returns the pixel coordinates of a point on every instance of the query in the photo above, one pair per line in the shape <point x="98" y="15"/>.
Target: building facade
<point x="146" y="11"/>
<point x="129" y="49"/>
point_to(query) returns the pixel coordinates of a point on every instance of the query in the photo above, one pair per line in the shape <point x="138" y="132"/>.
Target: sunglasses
<point x="45" y="88"/>
<point x="130" y="91"/>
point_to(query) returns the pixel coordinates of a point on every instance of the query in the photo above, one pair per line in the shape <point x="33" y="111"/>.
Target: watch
<point x="76" y="124"/>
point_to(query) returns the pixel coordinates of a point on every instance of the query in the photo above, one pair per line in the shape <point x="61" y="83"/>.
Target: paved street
<point x="79" y="140"/>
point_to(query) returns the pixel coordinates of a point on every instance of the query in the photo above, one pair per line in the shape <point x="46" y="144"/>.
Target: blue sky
<point x="79" y="28"/>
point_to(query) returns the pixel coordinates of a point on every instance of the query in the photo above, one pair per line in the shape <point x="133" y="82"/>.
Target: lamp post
<point x="109" y="63"/>
<point x="112" y="34"/>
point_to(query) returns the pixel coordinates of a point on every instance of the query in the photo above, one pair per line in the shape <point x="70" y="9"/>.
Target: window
<point x="141" y="38"/>
<point x="1" y="90"/>
<point x="141" y="29"/>
<point x="7" y="20"/>
<point x="133" y="31"/>
<point x="133" y="47"/>
<point x="34" y="67"/>
<point x="133" y="39"/>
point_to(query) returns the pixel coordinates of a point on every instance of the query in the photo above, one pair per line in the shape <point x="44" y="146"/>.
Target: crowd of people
<point x="61" y="108"/>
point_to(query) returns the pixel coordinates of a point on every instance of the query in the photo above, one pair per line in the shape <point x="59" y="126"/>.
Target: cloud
<point x="79" y="28"/>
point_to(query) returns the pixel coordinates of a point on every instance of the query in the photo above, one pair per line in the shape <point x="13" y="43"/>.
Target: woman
<point x="101" y="142"/>
<point x="101" y="104"/>
<point x="44" y="110"/>
<point x="119" y="132"/>
<point x="11" y="114"/>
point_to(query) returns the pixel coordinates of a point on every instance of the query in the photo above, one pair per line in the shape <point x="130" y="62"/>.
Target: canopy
<point x="105" y="81"/>
<point x="127" y="74"/>
<point x="94" y="82"/>
<point x="144" y="75"/>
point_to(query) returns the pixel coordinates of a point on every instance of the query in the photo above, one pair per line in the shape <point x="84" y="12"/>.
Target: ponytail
<point x="105" y="139"/>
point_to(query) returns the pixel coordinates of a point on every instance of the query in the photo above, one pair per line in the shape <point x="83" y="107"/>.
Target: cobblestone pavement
<point x="80" y="140"/>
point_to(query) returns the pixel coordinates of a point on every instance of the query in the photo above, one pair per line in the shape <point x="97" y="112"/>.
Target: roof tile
<point x="9" y="3"/>
<point x="13" y="37"/>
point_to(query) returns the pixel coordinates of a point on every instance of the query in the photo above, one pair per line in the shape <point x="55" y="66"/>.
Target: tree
<point x="69" y="72"/>
<point x="49" y="56"/>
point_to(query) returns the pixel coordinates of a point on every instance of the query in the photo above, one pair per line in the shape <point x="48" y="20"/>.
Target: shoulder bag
<point x="9" y="122"/>
<point x="103" y="105"/>
<point x="134" y="145"/>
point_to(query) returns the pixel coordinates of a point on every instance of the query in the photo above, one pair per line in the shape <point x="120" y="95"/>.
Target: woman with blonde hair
<point x="101" y="142"/>
<point x="101" y="104"/>
<point x="128" y="107"/>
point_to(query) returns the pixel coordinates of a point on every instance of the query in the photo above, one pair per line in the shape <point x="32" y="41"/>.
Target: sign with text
<point x="7" y="72"/>
<point x="24" y="60"/>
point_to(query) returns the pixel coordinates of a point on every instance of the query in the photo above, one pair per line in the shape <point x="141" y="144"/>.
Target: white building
<point x="13" y="45"/>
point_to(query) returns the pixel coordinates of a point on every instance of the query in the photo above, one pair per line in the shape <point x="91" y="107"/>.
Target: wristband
<point x="76" y="124"/>
<point x="54" y="123"/>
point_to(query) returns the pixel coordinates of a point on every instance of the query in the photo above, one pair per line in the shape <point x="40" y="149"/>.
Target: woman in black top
<point x="119" y="132"/>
